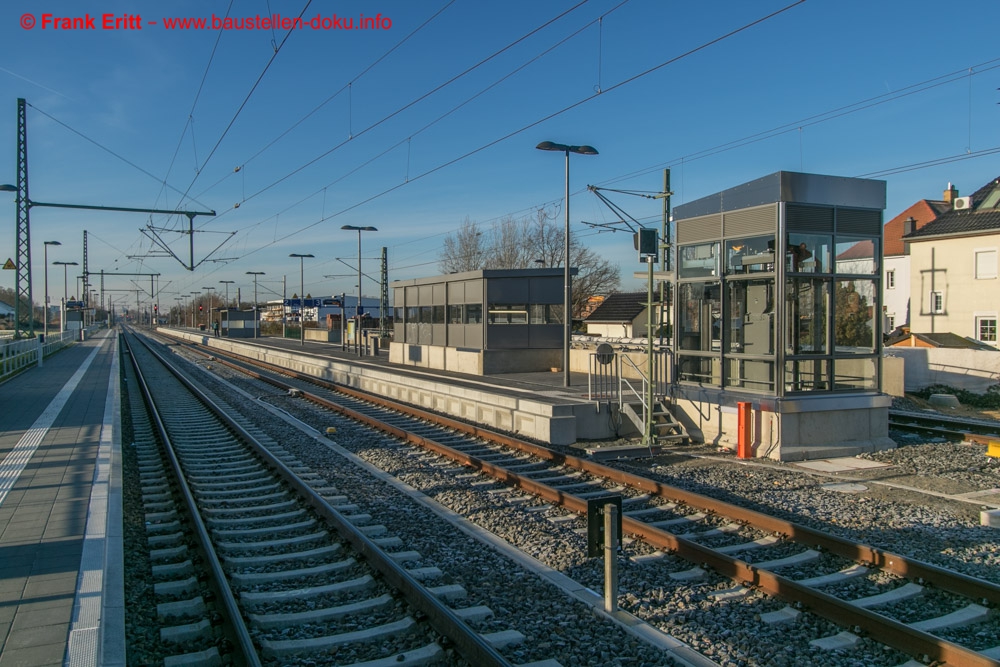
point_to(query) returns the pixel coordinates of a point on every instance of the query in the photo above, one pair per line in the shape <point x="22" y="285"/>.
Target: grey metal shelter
<point x="777" y="302"/>
<point x="489" y="321"/>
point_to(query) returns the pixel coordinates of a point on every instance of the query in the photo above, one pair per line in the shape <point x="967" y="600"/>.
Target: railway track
<point x="944" y="426"/>
<point x="755" y="550"/>
<point x="258" y="559"/>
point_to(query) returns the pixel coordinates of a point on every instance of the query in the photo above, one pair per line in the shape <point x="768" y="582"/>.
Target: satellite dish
<point x="605" y="354"/>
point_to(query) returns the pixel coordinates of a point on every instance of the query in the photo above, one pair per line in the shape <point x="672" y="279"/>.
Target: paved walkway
<point x="60" y="511"/>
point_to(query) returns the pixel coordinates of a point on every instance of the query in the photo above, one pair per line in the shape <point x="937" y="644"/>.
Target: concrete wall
<point x="893" y="375"/>
<point x="524" y="412"/>
<point x="323" y="335"/>
<point x="973" y="370"/>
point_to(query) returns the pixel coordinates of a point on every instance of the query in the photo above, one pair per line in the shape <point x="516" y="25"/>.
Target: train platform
<point x="535" y="405"/>
<point x="61" y="575"/>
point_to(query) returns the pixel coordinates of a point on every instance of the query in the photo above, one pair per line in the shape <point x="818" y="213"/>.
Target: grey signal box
<point x="595" y="523"/>
<point x="645" y="241"/>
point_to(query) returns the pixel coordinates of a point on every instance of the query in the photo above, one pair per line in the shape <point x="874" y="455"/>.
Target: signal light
<point x="156" y="308"/>
<point x="201" y="308"/>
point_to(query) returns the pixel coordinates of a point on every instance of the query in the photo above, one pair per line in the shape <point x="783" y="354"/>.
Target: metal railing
<point x="17" y="355"/>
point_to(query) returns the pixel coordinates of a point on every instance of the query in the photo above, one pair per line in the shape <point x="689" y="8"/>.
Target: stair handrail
<point x="640" y="394"/>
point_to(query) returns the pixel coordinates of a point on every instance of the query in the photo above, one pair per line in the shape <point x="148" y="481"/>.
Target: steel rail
<point x="470" y="644"/>
<point x="247" y="651"/>
<point x="888" y="631"/>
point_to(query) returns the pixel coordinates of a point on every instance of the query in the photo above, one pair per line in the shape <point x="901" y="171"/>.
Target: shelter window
<point x="437" y="314"/>
<point x="473" y="313"/>
<point x="699" y="261"/>
<point x="508" y="314"/>
<point x="807" y="315"/>
<point x="455" y="313"/>
<point x="807" y="375"/>
<point x="854" y="321"/>
<point x="540" y="313"/>
<point x="426" y="314"/>
<point x="808" y="253"/>
<point x="856" y="256"/>
<point x="750" y="255"/>
<point x="701" y="316"/>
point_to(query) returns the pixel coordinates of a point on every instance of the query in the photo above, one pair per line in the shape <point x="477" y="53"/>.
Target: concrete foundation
<point x="790" y="429"/>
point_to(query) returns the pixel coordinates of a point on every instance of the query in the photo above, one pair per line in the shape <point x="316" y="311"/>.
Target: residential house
<point x="953" y="268"/>
<point x="620" y="315"/>
<point x="896" y="260"/>
<point x="6" y="310"/>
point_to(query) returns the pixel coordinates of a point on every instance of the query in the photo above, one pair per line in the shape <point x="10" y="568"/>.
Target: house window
<point x="937" y="302"/>
<point x="890" y="322"/>
<point x="890" y="279"/>
<point x="986" y="329"/>
<point x="986" y="264"/>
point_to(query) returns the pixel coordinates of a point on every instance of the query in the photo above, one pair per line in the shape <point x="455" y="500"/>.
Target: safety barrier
<point x="17" y="355"/>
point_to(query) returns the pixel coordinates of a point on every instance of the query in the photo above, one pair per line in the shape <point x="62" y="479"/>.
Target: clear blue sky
<point x="467" y="149"/>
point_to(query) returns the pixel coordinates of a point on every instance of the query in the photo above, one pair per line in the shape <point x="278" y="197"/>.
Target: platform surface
<point x="543" y="385"/>
<point x="55" y="460"/>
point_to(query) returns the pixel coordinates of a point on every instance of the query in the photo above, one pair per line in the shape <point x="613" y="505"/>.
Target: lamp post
<point x="567" y="285"/>
<point x="357" y="311"/>
<point x="256" y="312"/>
<point x="227" y="284"/>
<point x="62" y="314"/>
<point x="180" y="310"/>
<point x="302" y="298"/>
<point x="45" y="310"/>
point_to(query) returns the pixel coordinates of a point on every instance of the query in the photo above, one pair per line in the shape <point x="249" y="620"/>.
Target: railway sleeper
<point x="258" y="578"/>
<point x="254" y="561"/>
<point x="282" y="648"/>
<point x="317" y="616"/>
<point x="270" y="544"/>
<point x="253" y="599"/>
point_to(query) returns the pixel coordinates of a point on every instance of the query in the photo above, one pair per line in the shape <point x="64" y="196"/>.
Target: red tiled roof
<point x="924" y="212"/>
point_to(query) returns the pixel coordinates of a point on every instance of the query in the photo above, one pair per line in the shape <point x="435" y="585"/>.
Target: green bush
<point x="990" y="400"/>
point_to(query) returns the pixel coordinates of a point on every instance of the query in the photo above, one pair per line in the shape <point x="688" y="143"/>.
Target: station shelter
<point x="777" y="288"/>
<point x="480" y="322"/>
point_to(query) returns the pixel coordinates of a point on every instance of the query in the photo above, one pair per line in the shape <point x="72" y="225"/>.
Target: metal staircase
<point x="632" y="403"/>
<point x="665" y="426"/>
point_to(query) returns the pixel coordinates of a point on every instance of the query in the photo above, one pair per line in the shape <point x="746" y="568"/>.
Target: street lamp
<point x="227" y="284"/>
<point x="45" y="313"/>
<point x="62" y="315"/>
<point x="357" y="311"/>
<point x="180" y="310"/>
<point x="256" y="313"/>
<point x="302" y="298"/>
<point x="567" y="285"/>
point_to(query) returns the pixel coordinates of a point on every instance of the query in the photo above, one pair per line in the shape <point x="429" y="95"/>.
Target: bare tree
<point x="465" y="251"/>
<point x="517" y="243"/>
